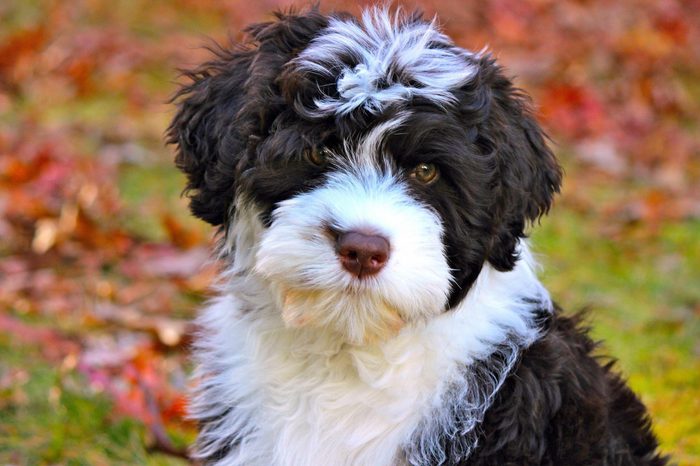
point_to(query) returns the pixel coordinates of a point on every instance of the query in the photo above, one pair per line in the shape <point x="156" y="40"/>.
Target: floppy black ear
<point x="205" y="129"/>
<point x="229" y="106"/>
<point x="527" y="175"/>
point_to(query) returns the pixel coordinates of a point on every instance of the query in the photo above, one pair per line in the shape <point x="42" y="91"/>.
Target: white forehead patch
<point x="383" y="59"/>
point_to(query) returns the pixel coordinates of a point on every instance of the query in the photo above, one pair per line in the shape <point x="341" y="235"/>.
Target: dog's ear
<point x="526" y="172"/>
<point x="229" y="106"/>
<point x="205" y="129"/>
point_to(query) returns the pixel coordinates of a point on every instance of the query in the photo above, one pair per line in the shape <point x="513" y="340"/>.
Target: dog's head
<point x="382" y="165"/>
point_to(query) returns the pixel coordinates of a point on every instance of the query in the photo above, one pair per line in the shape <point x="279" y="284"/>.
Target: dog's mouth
<point x="350" y="282"/>
<point x="360" y="318"/>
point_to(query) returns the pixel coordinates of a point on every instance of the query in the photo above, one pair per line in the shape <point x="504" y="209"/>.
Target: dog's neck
<point x="304" y="396"/>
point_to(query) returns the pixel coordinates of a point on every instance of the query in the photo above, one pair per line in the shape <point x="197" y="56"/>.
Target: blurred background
<point x="101" y="266"/>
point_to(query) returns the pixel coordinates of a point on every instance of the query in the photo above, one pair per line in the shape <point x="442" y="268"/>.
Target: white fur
<point x="337" y="386"/>
<point x="386" y="48"/>
<point x="305" y="397"/>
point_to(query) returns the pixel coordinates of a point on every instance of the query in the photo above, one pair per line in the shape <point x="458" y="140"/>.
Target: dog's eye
<point x="317" y="155"/>
<point x="426" y="173"/>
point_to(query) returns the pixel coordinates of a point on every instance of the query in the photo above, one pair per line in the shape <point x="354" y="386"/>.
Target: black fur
<point x="239" y="124"/>
<point x="560" y="406"/>
<point x="229" y="107"/>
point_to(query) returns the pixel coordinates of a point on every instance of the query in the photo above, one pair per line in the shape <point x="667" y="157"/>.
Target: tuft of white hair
<point x="383" y="59"/>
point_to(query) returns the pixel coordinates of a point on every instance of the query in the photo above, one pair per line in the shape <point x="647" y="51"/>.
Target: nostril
<point x="362" y="254"/>
<point x="379" y="259"/>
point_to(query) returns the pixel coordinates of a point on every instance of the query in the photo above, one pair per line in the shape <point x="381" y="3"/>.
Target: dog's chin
<point x="327" y="300"/>
<point x="358" y="318"/>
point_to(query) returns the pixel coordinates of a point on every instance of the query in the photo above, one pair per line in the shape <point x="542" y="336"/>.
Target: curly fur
<point x="454" y="353"/>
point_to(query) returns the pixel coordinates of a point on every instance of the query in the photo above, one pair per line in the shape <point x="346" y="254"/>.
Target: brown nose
<point x="362" y="254"/>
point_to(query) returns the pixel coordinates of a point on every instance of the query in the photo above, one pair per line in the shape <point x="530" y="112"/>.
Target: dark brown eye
<point x="317" y="155"/>
<point x="426" y="173"/>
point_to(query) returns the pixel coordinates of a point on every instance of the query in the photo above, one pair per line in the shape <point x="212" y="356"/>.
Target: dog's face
<point x="385" y="165"/>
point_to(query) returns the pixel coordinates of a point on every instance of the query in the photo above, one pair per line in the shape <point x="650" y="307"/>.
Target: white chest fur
<point x="318" y="401"/>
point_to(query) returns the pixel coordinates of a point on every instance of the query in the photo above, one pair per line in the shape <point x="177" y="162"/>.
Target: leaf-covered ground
<point x="101" y="266"/>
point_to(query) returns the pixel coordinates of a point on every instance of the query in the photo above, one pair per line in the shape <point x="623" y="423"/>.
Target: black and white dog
<point x="372" y="183"/>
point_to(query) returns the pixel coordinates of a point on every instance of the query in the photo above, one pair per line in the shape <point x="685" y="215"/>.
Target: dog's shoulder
<point x="563" y="404"/>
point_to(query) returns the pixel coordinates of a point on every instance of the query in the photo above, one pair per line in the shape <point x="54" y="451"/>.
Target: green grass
<point x="644" y="300"/>
<point x="48" y="416"/>
<point x="149" y="191"/>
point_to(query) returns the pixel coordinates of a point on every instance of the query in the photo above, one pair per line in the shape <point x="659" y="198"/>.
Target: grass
<point x="49" y="417"/>
<point x="644" y="303"/>
<point x="149" y="191"/>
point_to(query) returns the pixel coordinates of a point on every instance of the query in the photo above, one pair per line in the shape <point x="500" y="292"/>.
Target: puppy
<point x="372" y="183"/>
